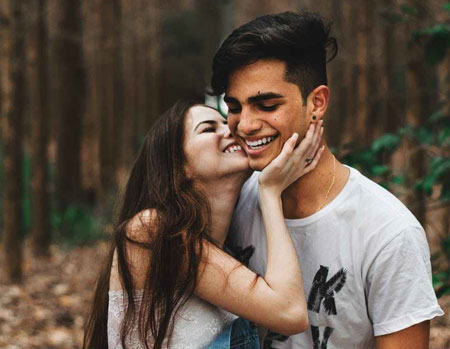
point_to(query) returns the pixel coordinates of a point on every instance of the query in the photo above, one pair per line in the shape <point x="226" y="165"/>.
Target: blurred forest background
<point x="82" y="81"/>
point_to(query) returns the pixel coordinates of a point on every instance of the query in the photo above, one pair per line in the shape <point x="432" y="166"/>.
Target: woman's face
<point x="211" y="152"/>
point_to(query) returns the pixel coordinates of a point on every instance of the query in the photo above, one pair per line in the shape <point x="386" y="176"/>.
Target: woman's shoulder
<point x="142" y="226"/>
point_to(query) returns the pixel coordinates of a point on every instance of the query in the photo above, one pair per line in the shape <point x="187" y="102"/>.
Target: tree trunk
<point x="38" y="99"/>
<point x="13" y="86"/>
<point x="351" y="71"/>
<point x="337" y="112"/>
<point x="129" y="71"/>
<point x="418" y="109"/>
<point x="69" y="98"/>
<point x="362" y="82"/>
<point x="107" y="57"/>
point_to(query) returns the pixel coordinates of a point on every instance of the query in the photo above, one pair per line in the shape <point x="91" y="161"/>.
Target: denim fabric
<point x="240" y="334"/>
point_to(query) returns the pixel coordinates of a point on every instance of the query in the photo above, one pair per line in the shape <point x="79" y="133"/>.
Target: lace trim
<point x="196" y="324"/>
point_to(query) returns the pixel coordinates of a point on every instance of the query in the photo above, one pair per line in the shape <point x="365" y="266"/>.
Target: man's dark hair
<point x="300" y="40"/>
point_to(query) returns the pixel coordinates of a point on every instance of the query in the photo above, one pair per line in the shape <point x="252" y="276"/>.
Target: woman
<point x="166" y="275"/>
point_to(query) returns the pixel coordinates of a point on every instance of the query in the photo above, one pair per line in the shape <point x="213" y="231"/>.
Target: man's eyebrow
<point x="211" y="122"/>
<point x="263" y="97"/>
<point x="254" y="99"/>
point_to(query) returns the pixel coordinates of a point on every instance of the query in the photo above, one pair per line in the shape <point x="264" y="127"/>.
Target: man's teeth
<point x="233" y="148"/>
<point x="258" y="144"/>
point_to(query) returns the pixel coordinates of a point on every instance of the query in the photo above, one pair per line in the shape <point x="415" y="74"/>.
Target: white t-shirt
<point x="365" y="263"/>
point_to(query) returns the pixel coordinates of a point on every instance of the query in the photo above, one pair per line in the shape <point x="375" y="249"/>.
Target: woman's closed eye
<point x="209" y="129"/>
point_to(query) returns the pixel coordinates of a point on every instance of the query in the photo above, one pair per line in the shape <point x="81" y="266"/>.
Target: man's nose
<point x="227" y="133"/>
<point x="248" y="123"/>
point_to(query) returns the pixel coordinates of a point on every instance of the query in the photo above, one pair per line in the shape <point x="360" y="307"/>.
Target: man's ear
<point x="317" y="102"/>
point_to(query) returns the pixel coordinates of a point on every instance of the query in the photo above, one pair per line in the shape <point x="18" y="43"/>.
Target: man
<point x="364" y="257"/>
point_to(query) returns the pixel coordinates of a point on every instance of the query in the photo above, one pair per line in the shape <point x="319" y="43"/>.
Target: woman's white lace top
<point x="196" y="324"/>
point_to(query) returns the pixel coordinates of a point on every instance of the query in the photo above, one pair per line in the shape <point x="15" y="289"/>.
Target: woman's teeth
<point x="233" y="148"/>
<point x="260" y="142"/>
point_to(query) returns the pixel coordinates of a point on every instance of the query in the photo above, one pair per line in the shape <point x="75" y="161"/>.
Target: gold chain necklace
<point x="332" y="183"/>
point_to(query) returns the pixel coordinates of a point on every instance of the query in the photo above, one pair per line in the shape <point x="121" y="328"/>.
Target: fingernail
<point x="295" y="135"/>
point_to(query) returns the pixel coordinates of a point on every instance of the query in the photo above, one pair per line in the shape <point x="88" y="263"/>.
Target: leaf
<point x="379" y="170"/>
<point x="446" y="6"/>
<point x="427" y="185"/>
<point x="436" y="49"/>
<point x="388" y="141"/>
<point x="424" y="135"/>
<point x="399" y="180"/>
<point x="407" y="130"/>
<point x="436" y="116"/>
<point x="439" y="167"/>
<point x="445" y="194"/>
<point x="444" y="137"/>
<point x="409" y="10"/>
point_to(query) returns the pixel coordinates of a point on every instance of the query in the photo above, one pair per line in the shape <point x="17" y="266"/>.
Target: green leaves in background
<point x="437" y="42"/>
<point x="76" y="226"/>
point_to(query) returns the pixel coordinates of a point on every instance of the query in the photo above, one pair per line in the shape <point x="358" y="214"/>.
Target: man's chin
<point x="258" y="164"/>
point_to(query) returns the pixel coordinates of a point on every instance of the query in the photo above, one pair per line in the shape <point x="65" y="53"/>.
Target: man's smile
<point x="256" y="145"/>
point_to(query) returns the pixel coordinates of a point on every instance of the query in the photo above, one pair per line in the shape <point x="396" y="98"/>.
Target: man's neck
<point x="308" y="194"/>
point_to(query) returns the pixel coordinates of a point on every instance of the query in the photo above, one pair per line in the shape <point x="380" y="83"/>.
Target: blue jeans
<point x="240" y="334"/>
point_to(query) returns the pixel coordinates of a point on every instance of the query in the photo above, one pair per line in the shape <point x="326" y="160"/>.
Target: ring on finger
<point x="308" y="160"/>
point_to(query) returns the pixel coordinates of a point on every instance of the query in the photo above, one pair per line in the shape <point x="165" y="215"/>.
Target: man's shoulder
<point x="376" y="202"/>
<point x="379" y="217"/>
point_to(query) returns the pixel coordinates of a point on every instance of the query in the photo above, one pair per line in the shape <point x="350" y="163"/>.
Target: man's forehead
<point x="261" y="77"/>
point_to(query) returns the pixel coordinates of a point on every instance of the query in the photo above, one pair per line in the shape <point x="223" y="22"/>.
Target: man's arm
<point x="414" y="337"/>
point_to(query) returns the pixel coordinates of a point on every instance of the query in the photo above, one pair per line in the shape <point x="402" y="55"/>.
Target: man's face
<point x="264" y="110"/>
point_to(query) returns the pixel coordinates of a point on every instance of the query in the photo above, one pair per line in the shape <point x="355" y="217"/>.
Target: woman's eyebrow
<point x="211" y="122"/>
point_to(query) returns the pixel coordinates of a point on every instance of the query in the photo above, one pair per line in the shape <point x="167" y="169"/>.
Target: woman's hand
<point x="292" y="162"/>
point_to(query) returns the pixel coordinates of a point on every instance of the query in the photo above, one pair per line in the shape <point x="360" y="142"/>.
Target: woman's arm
<point x="276" y="301"/>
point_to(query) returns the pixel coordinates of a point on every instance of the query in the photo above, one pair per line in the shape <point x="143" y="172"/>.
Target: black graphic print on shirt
<point x="243" y="255"/>
<point x="318" y="343"/>
<point x="272" y="336"/>
<point x="323" y="290"/>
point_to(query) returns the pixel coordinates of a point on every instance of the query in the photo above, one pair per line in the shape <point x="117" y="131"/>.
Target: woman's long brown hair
<point x="157" y="181"/>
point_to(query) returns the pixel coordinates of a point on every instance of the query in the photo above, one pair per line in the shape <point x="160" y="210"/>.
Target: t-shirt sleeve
<point x="399" y="290"/>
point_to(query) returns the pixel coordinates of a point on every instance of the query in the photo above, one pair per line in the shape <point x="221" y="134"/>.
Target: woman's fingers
<point x="316" y="142"/>
<point x="315" y="161"/>
<point x="306" y="142"/>
<point x="287" y="150"/>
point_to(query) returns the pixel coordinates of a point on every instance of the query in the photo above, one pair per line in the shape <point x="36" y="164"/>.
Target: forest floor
<point x="49" y="309"/>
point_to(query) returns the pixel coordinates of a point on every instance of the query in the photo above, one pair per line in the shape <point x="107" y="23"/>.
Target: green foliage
<point x="441" y="278"/>
<point x="433" y="138"/>
<point x="387" y="142"/>
<point x="437" y="42"/>
<point x="409" y="10"/>
<point x="76" y="226"/>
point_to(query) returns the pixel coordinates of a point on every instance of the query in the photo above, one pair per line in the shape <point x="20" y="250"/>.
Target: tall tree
<point x="13" y="95"/>
<point x="67" y="69"/>
<point x="130" y="70"/>
<point x="110" y="96"/>
<point x="38" y="102"/>
<point x="419" y="102"/>
<point x="362" y="82"/>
